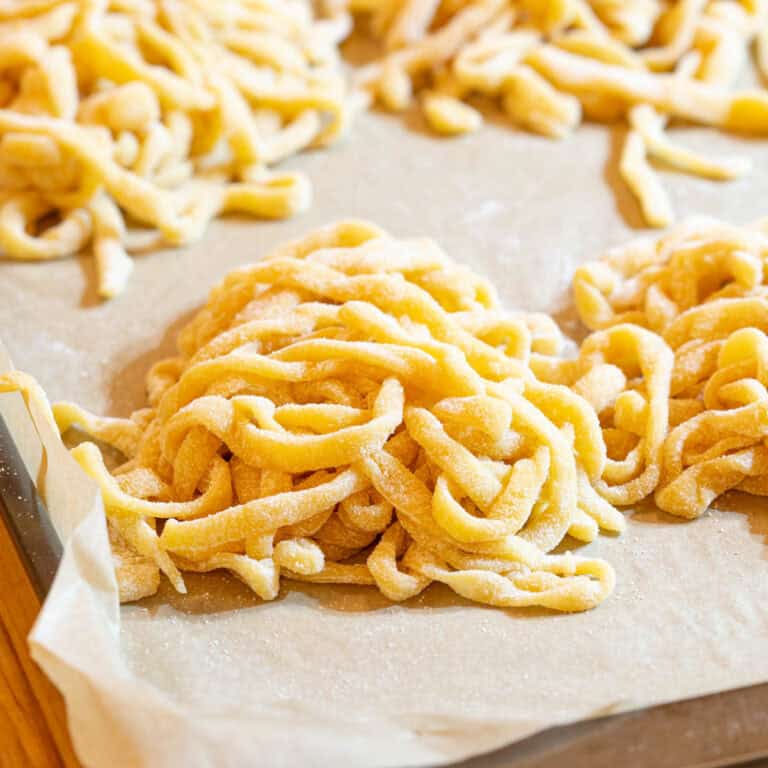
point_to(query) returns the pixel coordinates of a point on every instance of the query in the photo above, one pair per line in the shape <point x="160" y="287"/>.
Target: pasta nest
<point x="359" y="409"/>
<point x="700" y="290"/>
<point x="129" y="125"/>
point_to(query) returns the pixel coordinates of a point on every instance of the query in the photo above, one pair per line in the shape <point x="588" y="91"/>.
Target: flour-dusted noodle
<point x="359" y="409"/>
<point x="164" y="114"/>
<point x="643" y="182"/>
<point x="548" y="64"/>
<point x="700" y="293"/>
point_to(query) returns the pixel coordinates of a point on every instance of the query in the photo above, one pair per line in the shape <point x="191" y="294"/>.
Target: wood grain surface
<point x="33" y="731"/>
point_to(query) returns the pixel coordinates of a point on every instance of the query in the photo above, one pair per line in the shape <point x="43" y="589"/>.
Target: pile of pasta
<point x="551" y="63"/>
<point x="129" y="124"/>
<point x="358" y="409"/>
<point x="691" y="308"/>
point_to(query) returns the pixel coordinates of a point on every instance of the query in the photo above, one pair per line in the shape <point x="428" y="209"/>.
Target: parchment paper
<point x="329" y="676"/>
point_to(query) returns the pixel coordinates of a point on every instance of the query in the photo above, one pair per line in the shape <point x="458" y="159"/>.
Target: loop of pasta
<point x="158" y="114"/>
<point x="551" y="63"/>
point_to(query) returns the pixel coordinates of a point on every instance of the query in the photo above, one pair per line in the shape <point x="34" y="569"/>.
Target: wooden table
<point x="33" y="731"/>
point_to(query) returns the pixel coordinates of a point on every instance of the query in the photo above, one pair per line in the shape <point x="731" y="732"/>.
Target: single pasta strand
<point x="644" y="183"/>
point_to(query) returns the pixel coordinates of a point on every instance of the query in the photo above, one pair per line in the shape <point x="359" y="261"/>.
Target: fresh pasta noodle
<point x="700" y="293"/>
<point x="160" y="114"/>
<point x="357" y="409"/>
<point x="549" y="64"/>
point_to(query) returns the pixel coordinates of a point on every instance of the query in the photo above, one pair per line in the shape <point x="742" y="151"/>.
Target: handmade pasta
<point x="548" y="64"/>
<point x="699" y="294"/>
<point x="126" y="126"/>
<point x="358" y="409"/>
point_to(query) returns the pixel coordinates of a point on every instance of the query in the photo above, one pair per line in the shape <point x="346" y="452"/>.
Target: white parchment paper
<point x="330" y="676"/>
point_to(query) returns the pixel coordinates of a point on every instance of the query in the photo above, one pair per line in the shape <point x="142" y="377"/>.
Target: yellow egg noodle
<point x="125" y="126"/>
<point x="129" y="124"/>
<point x="358" y="409"/>
<point x="699" y="293"/>
<point x="551" y="63"/>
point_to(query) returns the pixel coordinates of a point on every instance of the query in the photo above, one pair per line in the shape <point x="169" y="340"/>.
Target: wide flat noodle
<point x="128" y="126"/>
<point x="548" y="64"/>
